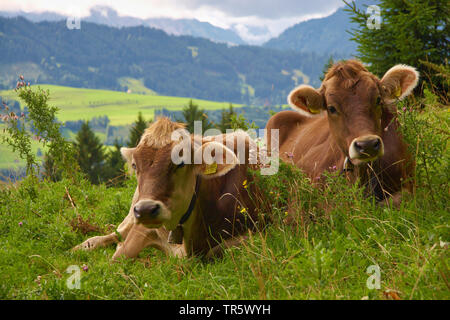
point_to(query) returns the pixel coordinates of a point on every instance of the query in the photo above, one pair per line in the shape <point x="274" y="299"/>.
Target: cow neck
<point x="176" y="236"/>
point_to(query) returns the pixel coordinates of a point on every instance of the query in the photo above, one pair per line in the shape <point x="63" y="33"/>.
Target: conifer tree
<point x="137" y="130"/>
<point x="192" y="113"/>
<point x="410" y="32"/>
<point x="225" y="121"/>
<point x="90" y="153"/>
<point x="114" y="164"/>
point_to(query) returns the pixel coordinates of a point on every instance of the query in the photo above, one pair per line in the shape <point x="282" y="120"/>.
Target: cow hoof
<point x="88" y="245"/>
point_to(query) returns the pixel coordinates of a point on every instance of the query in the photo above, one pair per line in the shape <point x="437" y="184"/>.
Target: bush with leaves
<point x="46" y="129"/>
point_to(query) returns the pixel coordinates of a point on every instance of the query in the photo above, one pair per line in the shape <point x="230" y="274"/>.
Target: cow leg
<point x="217" y="251"/>
<point x="140" y="237"/>
<point x="123" y="229"/>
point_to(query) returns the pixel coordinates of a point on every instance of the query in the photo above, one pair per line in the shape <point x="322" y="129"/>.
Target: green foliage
<point x="410" y="31"/>
<point x="137" y="130"/>
<point x="192" y="113"/>
<point x="114" y="166"/>
<point x="163" y="62"/>
<point x="90" y="153"/>
<point x="427" y="135"/>
<point x="39" y="123"/>
<point x="225" y="120"/>
<point x="336" y="235"/>
<point x="238" y="121"/>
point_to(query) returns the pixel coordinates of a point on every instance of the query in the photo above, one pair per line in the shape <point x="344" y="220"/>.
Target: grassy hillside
<point x="325" y="257"/>
<point x="338" y="237"/>
<point x="120" y="107"/>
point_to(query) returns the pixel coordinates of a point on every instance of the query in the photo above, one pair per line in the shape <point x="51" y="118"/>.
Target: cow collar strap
<point x="176" y="235"/>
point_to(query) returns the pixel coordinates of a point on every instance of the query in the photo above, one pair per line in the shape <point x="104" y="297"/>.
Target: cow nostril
<point x="136" y="212"/>
<point x="377" y="145"/>
<point x="359" y="147"/>
<point x="154" y="209"/>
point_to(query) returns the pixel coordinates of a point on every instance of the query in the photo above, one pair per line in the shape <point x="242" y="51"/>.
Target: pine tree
<point x="225" y="121"/>
<point x="114" y="167"/>
<point x="192" y="113"/>
<point x="137" y="130"/>
<point x="90" y="153"/>
<point x="410" y="32"/>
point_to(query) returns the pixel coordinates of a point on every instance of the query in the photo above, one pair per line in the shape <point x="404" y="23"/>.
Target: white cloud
<point x="241" y="15"/>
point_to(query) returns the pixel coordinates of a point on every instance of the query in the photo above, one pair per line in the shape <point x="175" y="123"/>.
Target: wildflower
<point x="404" y="109"/>
<point x="20" y="223"/>
<point x="85" y="268"/>
<point x="245" y="184"/>
<point x="243" y="210"/>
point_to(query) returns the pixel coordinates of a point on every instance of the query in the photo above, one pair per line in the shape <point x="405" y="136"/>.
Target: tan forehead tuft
<point x="159" y="133"/>
<point x="348" y="73"/>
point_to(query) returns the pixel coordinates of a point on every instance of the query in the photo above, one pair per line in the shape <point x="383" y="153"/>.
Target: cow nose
<point x="368" y="147"/>
<point x="146" y="208"/>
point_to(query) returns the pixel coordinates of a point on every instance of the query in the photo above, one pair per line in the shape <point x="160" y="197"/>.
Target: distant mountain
<point x="324" y="36"/>
<point x="103" y="57"/>
<point x="108" y="16"/>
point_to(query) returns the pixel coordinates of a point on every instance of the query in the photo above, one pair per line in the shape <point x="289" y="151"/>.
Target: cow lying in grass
<point x="349" y="124"/>
<point x="208" y="206"/>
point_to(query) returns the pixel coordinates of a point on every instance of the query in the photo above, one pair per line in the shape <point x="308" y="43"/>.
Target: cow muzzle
<point x="149" y="212"/>
<point x="366" y="148"/>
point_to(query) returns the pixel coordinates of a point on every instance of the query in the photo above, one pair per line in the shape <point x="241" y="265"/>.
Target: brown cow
<point x="349" y="124"/>
<point x="207" y="205"/>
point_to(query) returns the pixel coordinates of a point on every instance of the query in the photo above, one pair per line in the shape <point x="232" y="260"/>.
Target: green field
<point x="120" y="107"/>
<point x="339" y="237"/>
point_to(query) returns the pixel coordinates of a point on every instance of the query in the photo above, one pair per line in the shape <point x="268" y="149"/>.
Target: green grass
<point x="121" y="107"/>
<point x="339" y="234"/>
<point x="324" y="259"/>
<point x="84" y="104"/>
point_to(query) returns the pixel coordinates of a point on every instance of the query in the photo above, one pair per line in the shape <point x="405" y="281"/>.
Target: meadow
<point x="84" y="104"/>
<point x="120" y="107"/>
<point x="340" y="237"/>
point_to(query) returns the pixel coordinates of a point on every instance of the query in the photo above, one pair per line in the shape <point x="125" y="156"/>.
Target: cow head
<point x="354" y="100"/>
<point x="166" y="183"/>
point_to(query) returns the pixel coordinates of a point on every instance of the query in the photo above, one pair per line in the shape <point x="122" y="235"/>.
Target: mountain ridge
<point x="97" y="56"/>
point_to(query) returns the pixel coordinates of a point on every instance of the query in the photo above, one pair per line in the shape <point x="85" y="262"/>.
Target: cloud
<point x="254" y="20"/>
<point x="267" y="9"/>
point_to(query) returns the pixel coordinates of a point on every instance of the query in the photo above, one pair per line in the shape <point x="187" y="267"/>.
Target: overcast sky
<point x="270" y="17"/>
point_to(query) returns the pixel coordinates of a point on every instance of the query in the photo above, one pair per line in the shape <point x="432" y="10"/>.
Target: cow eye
<point x="133" y="165"/>
<point x="332" y="110"/>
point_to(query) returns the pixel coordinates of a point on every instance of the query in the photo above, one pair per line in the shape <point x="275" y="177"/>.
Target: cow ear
<point x="216" y="160"/>
<point x="306" y="100"/>
<point x="126" y="153"/>
<point x="399" y="81"/>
